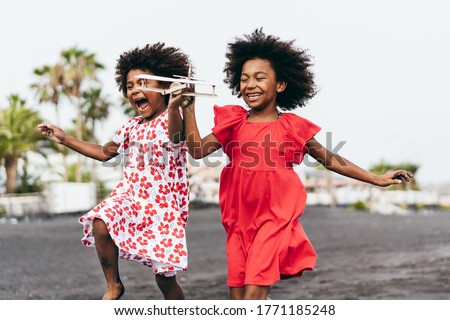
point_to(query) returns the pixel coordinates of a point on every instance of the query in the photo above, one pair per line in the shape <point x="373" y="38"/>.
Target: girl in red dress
<point x="145" y="216"/>
<point x="261" y="196"/>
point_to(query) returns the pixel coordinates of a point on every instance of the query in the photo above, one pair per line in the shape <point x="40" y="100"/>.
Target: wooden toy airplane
<point x="178" y="83"/>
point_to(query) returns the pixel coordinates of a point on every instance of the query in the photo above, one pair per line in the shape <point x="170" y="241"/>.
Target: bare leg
<point x="237" y="293"/>
<point x="256" y="292"/>
<point x="249" y="292"/>
<point x="108" y="254"/>
<point x="169" y="287"/>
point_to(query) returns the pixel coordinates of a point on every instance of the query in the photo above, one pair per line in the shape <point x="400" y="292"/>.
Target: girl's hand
<point x="394" y="177"/>
<point x="53" y="132"/>
<point x="178" y="100"/>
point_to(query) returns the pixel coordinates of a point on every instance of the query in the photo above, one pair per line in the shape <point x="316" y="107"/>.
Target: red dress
<point x="262" y="197"/>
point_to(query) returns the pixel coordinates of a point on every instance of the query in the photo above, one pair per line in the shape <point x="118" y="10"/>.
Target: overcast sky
<point x="382" y="67"/>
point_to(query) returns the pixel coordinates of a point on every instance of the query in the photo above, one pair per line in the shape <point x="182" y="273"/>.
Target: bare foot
<point x="114" y="293"/>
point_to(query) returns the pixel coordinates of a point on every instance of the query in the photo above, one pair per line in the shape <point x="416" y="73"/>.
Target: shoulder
<point x="292" y="116"/>
<point x="229" y="113"/>
<point x="293" y="119"/>
<point x="129" y="124"/>
<point x="132" y="121"/>
<point x="234" y="109"/>
<point x="298" y="128"/>
<point x="226" y="121"/>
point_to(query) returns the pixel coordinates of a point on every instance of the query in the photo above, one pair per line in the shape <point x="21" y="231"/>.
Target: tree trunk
<point x="64" y="163"/>
<point x="79" y="133"/>
<point x="11" y="173"/>
<point x="61" y="147"/>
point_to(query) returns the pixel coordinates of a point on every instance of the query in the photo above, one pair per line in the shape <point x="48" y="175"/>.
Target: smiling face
<point x="148" y="104"/>
<point x="259" y="86"/>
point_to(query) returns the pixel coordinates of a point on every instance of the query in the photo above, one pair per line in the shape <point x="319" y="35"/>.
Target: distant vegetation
<point x="359" y="205"/>
<point x="71" y="81"/>
<point x="18" y="135"/>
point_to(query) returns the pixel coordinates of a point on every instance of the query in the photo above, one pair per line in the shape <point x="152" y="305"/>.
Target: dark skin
<point x="107" y="250"/>
<point x="259" y="88"/>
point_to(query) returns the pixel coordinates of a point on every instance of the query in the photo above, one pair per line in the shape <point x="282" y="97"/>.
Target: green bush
<point x="420" y="206"/>
<point x="28" y="183"/>
<point x="359" y="205"/>
<point x="2" y="212"/>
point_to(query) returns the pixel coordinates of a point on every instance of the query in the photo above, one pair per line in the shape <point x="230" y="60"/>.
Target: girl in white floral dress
<point x="145" y="216"/>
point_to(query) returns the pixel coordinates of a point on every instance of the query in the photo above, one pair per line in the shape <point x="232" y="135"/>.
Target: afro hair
<point x="291" y="65"/>
<point x="158" y="59"/>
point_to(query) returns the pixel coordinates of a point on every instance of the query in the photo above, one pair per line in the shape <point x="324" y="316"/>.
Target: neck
<point x="263" y="115"/>
<point x="157" y="112"/>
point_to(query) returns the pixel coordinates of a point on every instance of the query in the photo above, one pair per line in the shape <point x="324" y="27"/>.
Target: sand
<point x="360" y="256"/>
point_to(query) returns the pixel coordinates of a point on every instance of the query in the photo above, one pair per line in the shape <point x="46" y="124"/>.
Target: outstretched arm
<point x="91" y="150"/>
<point x="339" y="164"/>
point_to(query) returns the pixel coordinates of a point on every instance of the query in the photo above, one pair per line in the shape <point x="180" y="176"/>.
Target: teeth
<point x="141" y="104"/>
<point x="253" y="95"/>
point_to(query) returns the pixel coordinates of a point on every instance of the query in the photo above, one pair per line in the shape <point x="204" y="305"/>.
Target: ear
<point x="281" y="85"/>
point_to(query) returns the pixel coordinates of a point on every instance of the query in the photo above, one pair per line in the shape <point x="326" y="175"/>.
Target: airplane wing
<point x="181" y="80"/>
<point x="183" y="84"/>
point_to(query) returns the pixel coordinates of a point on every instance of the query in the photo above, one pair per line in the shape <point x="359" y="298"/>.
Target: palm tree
<point x="50" y="88"/>
<point x="95" y="108"/>
<point x="79" y="67"/>
<point x="18" y="135"/>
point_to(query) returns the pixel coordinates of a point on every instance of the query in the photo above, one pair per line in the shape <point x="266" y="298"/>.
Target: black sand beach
<point x="360" y="256"/>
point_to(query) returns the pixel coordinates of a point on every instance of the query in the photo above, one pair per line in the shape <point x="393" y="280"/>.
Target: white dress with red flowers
<point x="147" y="212"/>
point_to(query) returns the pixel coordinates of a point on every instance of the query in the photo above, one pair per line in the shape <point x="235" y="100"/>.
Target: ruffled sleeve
<point x="298" y="130"/>
<point x="227" y="120"/>
<point x="121" y="137"/>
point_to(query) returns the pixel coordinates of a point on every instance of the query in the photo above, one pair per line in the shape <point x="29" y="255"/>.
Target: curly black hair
<point x="157" y="58"/>
<point x="291" y="64"/>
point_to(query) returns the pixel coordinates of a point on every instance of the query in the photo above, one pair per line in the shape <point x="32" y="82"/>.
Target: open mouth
<point x="142" y="104"/>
